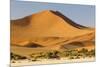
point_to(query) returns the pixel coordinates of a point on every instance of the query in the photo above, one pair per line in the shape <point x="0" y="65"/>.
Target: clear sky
<point x="81" y="14"/>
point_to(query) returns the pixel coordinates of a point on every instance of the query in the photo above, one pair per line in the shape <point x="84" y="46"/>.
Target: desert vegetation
<point x="17" y="57"/>
<point x="69" y="53"/>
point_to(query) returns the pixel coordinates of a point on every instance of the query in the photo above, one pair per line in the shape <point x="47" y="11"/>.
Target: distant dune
<point x="49" y="29"/>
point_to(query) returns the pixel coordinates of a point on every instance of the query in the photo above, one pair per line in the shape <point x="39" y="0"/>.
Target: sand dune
<point x="48" y="28"/>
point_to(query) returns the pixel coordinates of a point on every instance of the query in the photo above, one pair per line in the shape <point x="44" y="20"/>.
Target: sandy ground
<point x="48" y="61"/>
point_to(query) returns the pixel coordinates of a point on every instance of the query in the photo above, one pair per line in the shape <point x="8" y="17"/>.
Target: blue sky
<point x="81" y="14"/>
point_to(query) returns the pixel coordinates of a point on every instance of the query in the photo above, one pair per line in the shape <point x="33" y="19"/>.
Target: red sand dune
<point x="48" y="28"/>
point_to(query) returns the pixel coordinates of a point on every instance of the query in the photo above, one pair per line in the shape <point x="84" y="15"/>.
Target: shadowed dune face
<point x="68" y="20"/>
<point x="21" y="22"/>
<point x="48" y="29"/>
<point x="28" y="44"/>
<point x="33" y="45"/>
<point x="77" y="44"/>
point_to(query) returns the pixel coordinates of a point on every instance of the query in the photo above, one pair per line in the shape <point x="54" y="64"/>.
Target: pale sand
<point x="51" y="61"/>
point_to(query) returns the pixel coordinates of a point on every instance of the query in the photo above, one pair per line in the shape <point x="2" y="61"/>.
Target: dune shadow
<point x="68" y="20"/>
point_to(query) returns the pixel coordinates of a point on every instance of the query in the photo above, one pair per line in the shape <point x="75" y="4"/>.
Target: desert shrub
<point x="17" y="57"/>
<point x="85" y="53"/>
<point x="71" y="57"/>
<point x="52" y="54"/>
<point x="48" y="55"/>
<point x="62" y="54"/>
<point x="65" y="53"/>
<point x="91" y="53"/>
<point x="36" y="56"/>
<point x="71" y="54"/>
<point x="41" y="55"/>
<point x="77" y="57"/>
<point x="83" y="50"/>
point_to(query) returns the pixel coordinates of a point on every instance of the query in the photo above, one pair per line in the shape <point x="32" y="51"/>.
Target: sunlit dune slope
<point x="48" y="28"/>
